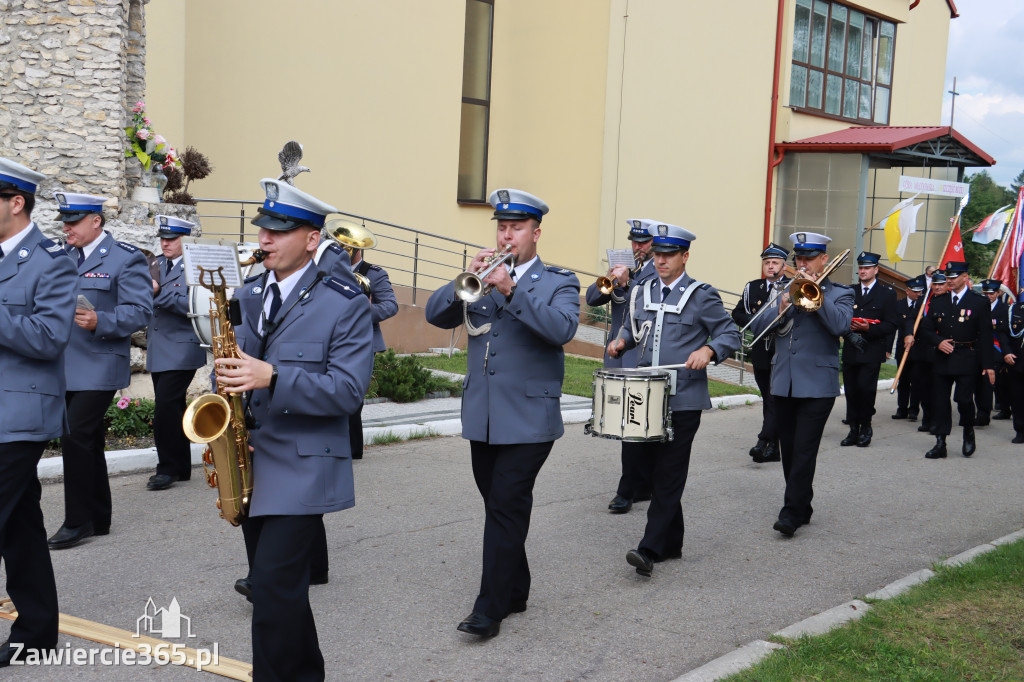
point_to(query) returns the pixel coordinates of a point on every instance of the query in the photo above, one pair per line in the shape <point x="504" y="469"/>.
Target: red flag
<point x="955" y="249"/>
<point x="1006" y="266"/>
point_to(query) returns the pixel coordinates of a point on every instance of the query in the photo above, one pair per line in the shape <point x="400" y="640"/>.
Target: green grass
<point x="390" y="437"/>
<point x="579" y="375"/>
<point x="963" y="624"/>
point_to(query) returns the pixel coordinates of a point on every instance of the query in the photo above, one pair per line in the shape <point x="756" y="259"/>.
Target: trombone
<point x="352" y="236"/>
<point x="804" y="293"/>
<point x="470" y="287"/>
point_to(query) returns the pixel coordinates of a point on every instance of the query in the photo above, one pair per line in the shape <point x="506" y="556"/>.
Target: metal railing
<point x="413" y="258"/>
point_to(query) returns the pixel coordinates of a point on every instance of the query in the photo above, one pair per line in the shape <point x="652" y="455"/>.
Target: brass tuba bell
<point x="352" y="236"/>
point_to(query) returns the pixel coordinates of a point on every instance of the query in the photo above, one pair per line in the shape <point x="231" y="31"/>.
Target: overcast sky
<point x="986" y="53"/>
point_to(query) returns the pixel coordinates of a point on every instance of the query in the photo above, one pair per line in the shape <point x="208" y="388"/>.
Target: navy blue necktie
<point x="1" y="252"/>
<point x="81" y="256"/>
<point x="275" y="301"/>
<point x="665" y="291"/>
<point x="170" y="265"/>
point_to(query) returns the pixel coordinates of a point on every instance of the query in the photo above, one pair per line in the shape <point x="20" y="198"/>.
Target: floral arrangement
<point x="145" y="145"/>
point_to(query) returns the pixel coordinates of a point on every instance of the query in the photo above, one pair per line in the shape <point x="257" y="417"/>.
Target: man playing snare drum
<point x="674" y="320"/>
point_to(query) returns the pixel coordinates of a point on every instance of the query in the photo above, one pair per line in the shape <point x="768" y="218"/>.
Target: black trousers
<point x="318" y="559"/>
<point x="905" y="389"/>
<point x="663" y="535"/>
<point x="984" y="392"/>
<point x="769" y="428"/>
<point x="1015" y="390"/>
<point x="963" y="396"/>
<point x="86" y="486"/>
<point x="355" y="433"/>
<point x="30" y="582"/>
<point x="505" y="475"/>
<point x="921" y="389"/>
<point x="285" y="646"/>
<point x="1002" y="389"/>
<point x="861" y="385"/>
<point x="173" y="449"/>
<point x="635" y="481"/>
<point x="801" y="423"/>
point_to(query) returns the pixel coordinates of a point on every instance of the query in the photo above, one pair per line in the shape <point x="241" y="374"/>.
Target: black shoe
<point x="640" y="560"/>
<point x="620" y="505"/>
<point x="8" y="653"/>
<point x="852" y="437"/>
<point x="161" y="482"/>
<point x="982" y="419"/>
<point x="1002" y="414"/>
<point x="1018" y="438"/>
<point x="243" y="586"/>
<point x="924" y="427"/>
<point x="517" y="606"/>
<point x="900" y="414"/>
<point x="969" y="446"/>
<point x="771" y="453"/>
<point x="911" y="416"/>
<point x="757" y="452"/>
<point x="318" y="578"/>
<point x="865" y="436"/>
<point x="479" y="624"/>
<point x="69" y="537"/>
<point x="938" y="450"/>
<point x="785" y="527"/>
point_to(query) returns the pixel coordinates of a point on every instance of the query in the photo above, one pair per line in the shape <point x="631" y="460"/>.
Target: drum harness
<point x="643" y="331"/>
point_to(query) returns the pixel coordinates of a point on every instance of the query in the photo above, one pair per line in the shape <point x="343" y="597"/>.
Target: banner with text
<point x="944" y="188"/>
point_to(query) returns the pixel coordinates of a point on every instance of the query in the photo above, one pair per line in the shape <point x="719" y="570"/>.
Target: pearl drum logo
<point x="634" y="400"/>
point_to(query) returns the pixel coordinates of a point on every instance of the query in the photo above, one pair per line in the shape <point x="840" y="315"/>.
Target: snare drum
<point x="631" y="405"/>
<point x="200" y="298"/>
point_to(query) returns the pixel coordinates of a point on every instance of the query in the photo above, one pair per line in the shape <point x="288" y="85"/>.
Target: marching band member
<point x="756" y="294"/>
<point x="875" y="317"/>
<point x="634" y="484"/>
<point x="984" y="391"/>
<point x="304" y="347"/>
<point x="674" y="319"/>
<point x="805" y="375"/>
<point x="510" y="404"/>
<point x="959" y="325"/>
<point x="173" y="355"/>
<point x="37" y="284"/>
<point x="115" y="300"/>
<point x="908" y="398"/>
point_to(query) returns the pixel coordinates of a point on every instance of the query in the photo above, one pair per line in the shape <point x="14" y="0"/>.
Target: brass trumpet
<point x="470" y="287"/>
<point x="606" y="285"/>
<point x="352" y="236"/>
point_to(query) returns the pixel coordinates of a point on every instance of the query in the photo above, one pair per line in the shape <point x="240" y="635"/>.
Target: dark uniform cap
<point x="669" y="238"/>
<point x="14" y="176"/>
<point x="809" y="243"/>
<point x="955" y="267"/>
<point x="938" y="277"/>
<point x="287" y="208"/>
<point x="515" y="204"/>
<point x="171" y="227"/>
<point x="74" y="207"/>
<point x="640" y="229"/>
<point x="916" y="283"/>
<point x="773" y="250"/>
<point x="868" y="258"/>
<point x="991" y="286"/>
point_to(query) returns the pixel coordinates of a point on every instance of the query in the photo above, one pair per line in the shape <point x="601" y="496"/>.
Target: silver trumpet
<point x="470" y="287"/>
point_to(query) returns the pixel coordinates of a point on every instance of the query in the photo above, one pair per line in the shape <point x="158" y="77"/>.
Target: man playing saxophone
<point x="305" y="355"/>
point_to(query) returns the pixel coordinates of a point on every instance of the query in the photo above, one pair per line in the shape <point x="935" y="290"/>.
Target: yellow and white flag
<point x="899" y="225"/>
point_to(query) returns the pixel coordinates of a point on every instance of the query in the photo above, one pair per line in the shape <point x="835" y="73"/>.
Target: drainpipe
<point x="773" y="161"/>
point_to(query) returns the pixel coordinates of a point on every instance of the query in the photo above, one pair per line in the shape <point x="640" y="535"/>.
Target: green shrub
<point x="129" y="417"/>
<point x="401" y="379"/>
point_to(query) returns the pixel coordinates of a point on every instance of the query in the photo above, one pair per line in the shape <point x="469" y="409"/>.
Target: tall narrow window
<point x="842" y="62"/>
<point x="476" y="101"/>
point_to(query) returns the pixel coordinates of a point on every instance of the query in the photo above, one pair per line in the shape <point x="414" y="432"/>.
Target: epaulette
<point x="127" y="247"/>
<point x="334" y="247"/>
<point x="341" y="287"/>
<point x="253" y="278"/>
<point x="53" y="248"/>
<point x="558" y="270"/>
<point x="375" y="267"/>
<point x="704" y="286"/>
<point x="842" y="286"/>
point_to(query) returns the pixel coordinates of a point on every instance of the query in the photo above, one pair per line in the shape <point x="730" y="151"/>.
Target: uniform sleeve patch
<point x="341" y="287"/>
<point x="127" y="247"/>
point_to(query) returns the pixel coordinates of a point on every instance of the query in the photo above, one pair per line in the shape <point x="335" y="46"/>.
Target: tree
<point x="1016" y="183"/>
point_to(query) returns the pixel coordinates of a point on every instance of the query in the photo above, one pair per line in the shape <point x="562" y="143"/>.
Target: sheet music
<point x="621" y="257"/>
<point x="211" y="257"/>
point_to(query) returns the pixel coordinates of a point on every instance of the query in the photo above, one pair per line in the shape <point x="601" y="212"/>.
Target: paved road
<point x="405" y="560"/>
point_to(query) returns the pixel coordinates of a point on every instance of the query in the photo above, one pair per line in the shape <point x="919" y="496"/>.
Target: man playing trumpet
<point x="674" y="319"/>
<point x="635" y="484"/>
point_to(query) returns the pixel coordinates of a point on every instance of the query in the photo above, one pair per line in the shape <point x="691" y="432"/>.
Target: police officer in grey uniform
<point x="635" y="482"/>
<point x="510" y="403"/>
<point x="37" y="304"/>
<point x="115" y="300"/>
<point x="805" y="376"/>
<point x="173" y="355"/>
<point x="305" y="356"/>
<point x="674" y="319"/>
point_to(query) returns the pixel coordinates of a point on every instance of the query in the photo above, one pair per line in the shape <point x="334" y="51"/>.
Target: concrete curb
<point x="750" y="654"/>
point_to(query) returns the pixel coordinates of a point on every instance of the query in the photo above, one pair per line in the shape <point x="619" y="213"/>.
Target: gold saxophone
<point x="218" y="419"/>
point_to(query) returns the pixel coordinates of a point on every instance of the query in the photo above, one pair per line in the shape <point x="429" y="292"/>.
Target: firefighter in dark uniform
<point x="922" y="355"/>
<point x="908" y="400"/>
<point x="985" y="392"/>
<point x="755" y="294"/>
<point x="1011" y="340"/>
<point x="874" y="319"/>
<point x="959" y="326"/>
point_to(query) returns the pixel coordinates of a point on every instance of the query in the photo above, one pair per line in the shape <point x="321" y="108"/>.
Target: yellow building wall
<point x="165" y="69"/>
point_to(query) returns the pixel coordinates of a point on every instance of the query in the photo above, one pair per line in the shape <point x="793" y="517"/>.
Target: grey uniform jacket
<point x="702" y="321"/>
<point x="171" y="343"/>
<point x="514" y="381"/>
<point x="806" y="362"/>
<point x="116" y="280"/>
<point x="37" y="311"/>
<point x="301" y="459"/>
<point x="620" y="303"/>
<point x="383" y="304"/>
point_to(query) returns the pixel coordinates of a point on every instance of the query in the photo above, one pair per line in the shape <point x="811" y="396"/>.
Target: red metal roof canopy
<point x="941" y="144"/>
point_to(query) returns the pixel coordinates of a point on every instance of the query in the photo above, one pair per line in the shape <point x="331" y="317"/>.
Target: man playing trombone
<point x="805" y="374"/>
<point x="634" y="484"/>
<point x="674" y="320"/>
